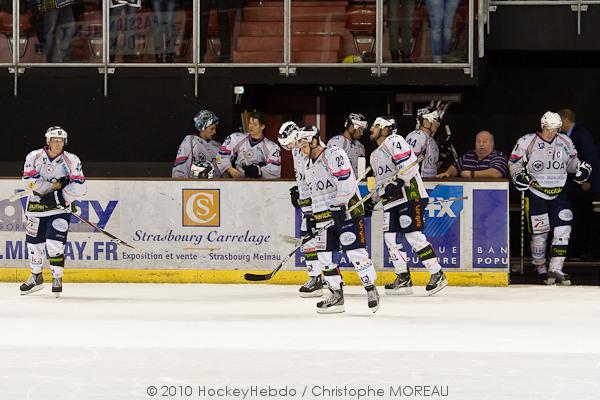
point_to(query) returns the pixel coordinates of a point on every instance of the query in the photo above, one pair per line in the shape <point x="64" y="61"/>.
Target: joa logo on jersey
<point x="201" y="207"/>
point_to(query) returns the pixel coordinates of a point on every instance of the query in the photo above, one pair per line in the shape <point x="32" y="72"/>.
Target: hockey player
<point x="539" y="164"/>
<point x="422" y="142"/>
<point x="196" y="156"/>
<point x="404" y="199"/>
<point x="349" y="141"/>
<point x="333" y="190"/>
<point x="300" y="197"/>
<point x="56" y="179"/>
<point x="251" y="155"/>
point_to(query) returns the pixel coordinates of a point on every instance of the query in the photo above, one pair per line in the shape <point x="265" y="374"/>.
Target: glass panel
<point x="61" y="31"/>
<point x="241" y="31"/>
<point x="333" y="32"/>
<point x="156" y="31"/>
<point x="6" y="31"/>
<point x="426" y="31"/>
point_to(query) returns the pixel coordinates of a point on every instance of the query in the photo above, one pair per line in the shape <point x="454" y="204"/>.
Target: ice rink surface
<point x="114" y="341"/>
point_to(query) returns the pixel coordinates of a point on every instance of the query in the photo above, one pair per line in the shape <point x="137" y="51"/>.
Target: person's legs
<point x="50" y="18"/>
<point x="393" y="27"/>
<point x="408" y="8"/>
<point x="66" y="32"/>
<point x="449" y="11"/>
<point x="436" y="15"/>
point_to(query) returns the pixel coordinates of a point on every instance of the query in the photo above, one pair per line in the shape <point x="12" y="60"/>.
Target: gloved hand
<point x="338" y="213"/>
<point x="64" y="181"/>
<point x="522" y="180"/>
<point x="54" y="199"/>
<point x="252" y="171"/>
<point x="311" y="224"/>
<point x="393" y="190"/>
<point x="583" y="172"/>
<point x="295" y="196"/>
<point x="369" y="205"/>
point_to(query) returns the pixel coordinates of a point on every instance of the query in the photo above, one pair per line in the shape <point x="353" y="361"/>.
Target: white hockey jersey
<point x="39" y="172"/>
<point x="393" y="155"/>
<point x="422" y="143"/>
<point x="353" y="148"/>
<point x="332" y="182"/>
<point x="240" y="149"/>
<point x="547" y="162"/>
<point x="194" y="149"/>
<point x="300" y="163"/>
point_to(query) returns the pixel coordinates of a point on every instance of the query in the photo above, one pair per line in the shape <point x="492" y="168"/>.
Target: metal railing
<point x="286" y="67"/>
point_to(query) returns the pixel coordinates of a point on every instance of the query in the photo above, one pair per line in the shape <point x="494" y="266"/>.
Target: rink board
<point x="214" y="231"/>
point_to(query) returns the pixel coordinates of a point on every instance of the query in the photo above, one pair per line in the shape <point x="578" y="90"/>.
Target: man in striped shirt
<point x="483" y="162"/>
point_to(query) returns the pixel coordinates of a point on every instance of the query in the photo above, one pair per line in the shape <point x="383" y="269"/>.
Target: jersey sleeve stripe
<point x="31" y="174"/>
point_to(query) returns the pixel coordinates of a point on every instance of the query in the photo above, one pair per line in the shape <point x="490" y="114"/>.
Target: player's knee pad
<point x="538" y="247"/>
<point x="36" y="256"/>
<point x="326" y="260"/>
<point x="56" y="250"/>
<point x="560" y="241"/>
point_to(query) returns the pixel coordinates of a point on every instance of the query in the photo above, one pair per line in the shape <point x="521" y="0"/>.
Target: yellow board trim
<point x="420" y="278"/>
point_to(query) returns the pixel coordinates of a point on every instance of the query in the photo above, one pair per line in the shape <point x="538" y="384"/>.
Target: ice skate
<point x="402" y="285"/>
<point x="333" y="304"/>
<point x="33" y="284"/>
<point x="373" y="298"/>
<point x="57" y="286"/>
<point x="436" y="283"/>
<point x="559" y="277"/>
<point x="313" y="287"/>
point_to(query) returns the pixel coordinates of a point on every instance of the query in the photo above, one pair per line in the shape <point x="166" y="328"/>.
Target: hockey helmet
<point x="551" y="120"/>
<point x="288" y="134"/>
<point x="204" y="119"/>
<point x="202" y="170"/>
<point x="56" y="132"/>
<point x="427" y="114"/>
<point x="308" y="133"/>
<point x="357" y="120"/>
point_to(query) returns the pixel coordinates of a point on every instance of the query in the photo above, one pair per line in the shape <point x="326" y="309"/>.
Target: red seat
<point x="25" y="28"/>
<point x="361" y="21"/>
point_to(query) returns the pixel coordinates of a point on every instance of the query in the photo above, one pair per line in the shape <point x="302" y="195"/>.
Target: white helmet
<point x="427" y="114"/>
<point x="551" y="120"/>
<point x="202" y="170"/>
<point x="56" y="132"/>
<point x="288" y="134"/>
<point x="357" y="120"/>
<point x="308" y="133"/>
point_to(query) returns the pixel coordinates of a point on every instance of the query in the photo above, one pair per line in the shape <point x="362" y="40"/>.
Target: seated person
<point x="483" y="162"/>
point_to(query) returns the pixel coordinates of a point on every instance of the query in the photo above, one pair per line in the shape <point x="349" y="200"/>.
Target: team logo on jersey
<point x="201" y="207"/>
<point x="537" y="165"/>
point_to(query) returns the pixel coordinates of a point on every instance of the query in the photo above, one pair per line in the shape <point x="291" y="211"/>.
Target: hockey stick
<point x="296" y="240"/>
<point x="521" y="268"/>
<point x="20" y="195"/>
<point x="97" y="228"/>
<point x="449" y="140"/>
<point x="266" y="277"/>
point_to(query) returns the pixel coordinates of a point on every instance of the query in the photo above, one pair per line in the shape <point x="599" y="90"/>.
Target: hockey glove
<point x="369" y="206"/>
<point x="252" y="171"/>
<point x="338" y="214"/>
<point x="311" y="224"/>
<point x="522" y="180"/>
<point x="54" y="199"/>
<point x="295" y="196"/>
<point x="583" y="172"/>
<point x="394" y="190"/>
<point x="64" y="181"/>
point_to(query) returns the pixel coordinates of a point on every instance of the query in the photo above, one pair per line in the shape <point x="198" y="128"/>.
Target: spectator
<point x="129" y="9"/>
<point x="58" y="26"/>
<point x="483" y="162"/>
<point x="164" y="14"/>
<point x="250" y="155"/>
<point x="582" y="196"/>
<point x="223" y="7"/>
<point x="408" y="7"/>
<point x="196" y="156"/>
<point x="441" y="19"/>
